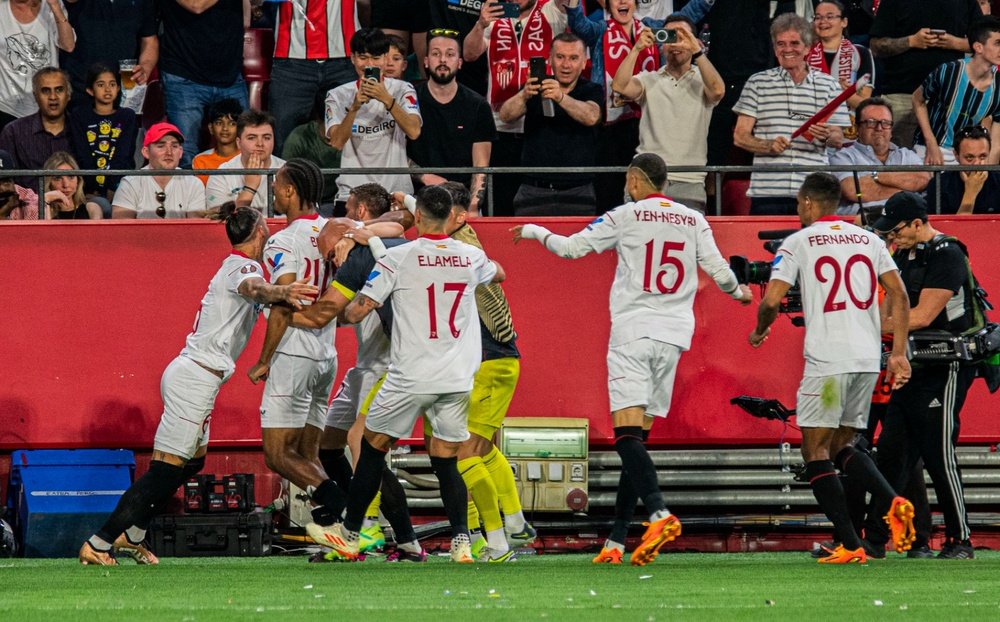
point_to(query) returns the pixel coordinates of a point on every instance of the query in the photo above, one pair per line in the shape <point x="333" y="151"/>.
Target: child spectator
<point x="222" y="117"/>
<point x="395" y="60"/>
<point x="102" y="136"/>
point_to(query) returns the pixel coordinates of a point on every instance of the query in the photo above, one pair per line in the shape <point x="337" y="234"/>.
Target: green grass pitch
<point x="771" y="586"/>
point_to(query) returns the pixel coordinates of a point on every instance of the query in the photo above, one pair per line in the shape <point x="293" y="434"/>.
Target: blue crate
<point x="61" y="497"/>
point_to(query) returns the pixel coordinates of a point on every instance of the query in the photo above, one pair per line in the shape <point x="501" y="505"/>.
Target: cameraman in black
<point x="922" y="420"/>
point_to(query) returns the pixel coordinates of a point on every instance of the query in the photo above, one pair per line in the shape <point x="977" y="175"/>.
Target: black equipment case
<point x="211" y="535"/>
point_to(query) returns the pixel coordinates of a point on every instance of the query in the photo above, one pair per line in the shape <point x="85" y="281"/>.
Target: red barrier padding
<point x="95" y="311"/>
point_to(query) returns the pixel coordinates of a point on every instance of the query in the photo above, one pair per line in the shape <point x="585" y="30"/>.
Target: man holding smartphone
<point x="561" y="115"/>
<point x="914" y="37"/>
<point x="509" y="42"/>
<point x="370" y="120"/>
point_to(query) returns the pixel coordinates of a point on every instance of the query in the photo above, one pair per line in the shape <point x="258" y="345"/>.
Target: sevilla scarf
<point x="508" y="56"/>
<point x="847" y="58"/>
<point x="617" y="45"/>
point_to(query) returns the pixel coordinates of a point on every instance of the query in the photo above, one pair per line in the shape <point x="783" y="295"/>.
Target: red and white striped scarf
<point x="508" y="57"/>
<point x="847" y="57"/>
<point x="616" y="47"/>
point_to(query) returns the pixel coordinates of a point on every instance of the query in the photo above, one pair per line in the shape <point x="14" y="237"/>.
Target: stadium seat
<point x="735" y="201"/>
<point x="258" y="51"/>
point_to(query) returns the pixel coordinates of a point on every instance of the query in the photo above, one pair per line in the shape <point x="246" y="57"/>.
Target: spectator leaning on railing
<point x="255" y="137"/>
<point x="961" y="93"/>
<point x="677" y="103"/>
<point x="773" y="105"/>
<point x="160" y="196"/>
<point x="875" y="148"/>
<point x="32" y="139"/>
<point x="970" y="192"/>
<point x="565" y="138"/>
<point x="64" y="197"/>
<point x="30" y="32"/>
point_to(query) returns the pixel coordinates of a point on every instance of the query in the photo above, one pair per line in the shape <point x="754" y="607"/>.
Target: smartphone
<point x="511" y="9"/>
<point x="937" y="31"/>
<point x="665" y="35"/>
<point x="537" y="68"/>
<point x="373" y="73"/>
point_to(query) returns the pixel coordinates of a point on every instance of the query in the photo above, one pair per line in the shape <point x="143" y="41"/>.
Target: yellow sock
<point x="473" y="516"/>
<point x="374" y="506"/>
<point x="503" y="480"/>
<point x="484" y="493"/>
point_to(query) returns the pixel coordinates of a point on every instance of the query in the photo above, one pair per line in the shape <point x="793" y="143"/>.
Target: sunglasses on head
<point x="444" y="32"/>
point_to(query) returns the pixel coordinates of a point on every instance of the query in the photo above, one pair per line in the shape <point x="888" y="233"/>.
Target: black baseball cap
<point x="901" y="207"/>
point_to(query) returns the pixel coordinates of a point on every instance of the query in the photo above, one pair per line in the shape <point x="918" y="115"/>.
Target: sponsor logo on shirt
<point x="378" y="128"/>
<point x="596" y="221"/>
<point x="275" y="262"/>
<point x="374" y="274"/>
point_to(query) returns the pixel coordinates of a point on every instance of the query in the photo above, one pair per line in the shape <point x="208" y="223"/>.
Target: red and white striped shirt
<point x="315" y="29"/>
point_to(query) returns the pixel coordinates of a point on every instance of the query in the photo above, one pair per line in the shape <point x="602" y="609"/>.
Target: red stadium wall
<point x="94" y="311"/>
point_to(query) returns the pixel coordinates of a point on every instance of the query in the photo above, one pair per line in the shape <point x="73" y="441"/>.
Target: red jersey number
<point x="649" y="279"/>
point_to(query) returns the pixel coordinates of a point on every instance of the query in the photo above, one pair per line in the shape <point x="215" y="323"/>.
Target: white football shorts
<point x="297" y="392"/>
<point x="641" y="373"/>
<point x="188" y="391"/>
<point x="357" y="383"/>
<point x="394" y="412"/>
<point x="834" y="401"/>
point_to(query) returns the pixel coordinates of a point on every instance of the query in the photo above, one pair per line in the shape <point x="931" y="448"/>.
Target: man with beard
<point x="458" y="122"/>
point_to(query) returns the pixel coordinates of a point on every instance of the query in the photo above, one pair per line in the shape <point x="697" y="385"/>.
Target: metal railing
<point x="717" y="172"/>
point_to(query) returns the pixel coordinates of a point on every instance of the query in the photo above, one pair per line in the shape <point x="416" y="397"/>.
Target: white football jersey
<point x="376" y="139"/>
<point x="373" y="344"/>
<point x="225" y="319"/>
<point x="293" y="250"/>
<point x="660" y="245"/>
<point x="436" y="345"/>
<point x="837" y="266"/>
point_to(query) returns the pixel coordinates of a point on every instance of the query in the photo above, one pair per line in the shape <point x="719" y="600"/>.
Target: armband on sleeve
<point x="377" y="247"/>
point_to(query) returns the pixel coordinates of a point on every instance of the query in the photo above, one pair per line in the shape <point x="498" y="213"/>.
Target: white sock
<point x="99" y="544"/>
<point x="497" y="540"/>
<point x="515" y="521"/>
<point x="369" y="521"/>
<point x="611" y="544"/>
<point x="659" y="515"/>
<point x="411" y="547"/>
<point x="135" y="535"/>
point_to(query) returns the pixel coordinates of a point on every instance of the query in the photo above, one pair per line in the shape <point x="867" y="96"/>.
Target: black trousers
<point x="922" y="422"/>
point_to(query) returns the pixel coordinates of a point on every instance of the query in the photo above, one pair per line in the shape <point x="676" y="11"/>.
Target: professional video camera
<point x="759" y="273"/>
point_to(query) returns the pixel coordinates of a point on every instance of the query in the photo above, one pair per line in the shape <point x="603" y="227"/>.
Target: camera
<point x="763" y="408"/>
<point x="759" y="272"/>
<point x="665" y="35"/>
<point x="373" y="73"/>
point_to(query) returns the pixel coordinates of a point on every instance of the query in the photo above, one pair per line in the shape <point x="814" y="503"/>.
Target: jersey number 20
<point x="456" y="288"/>
<point x="666" y="259"/>
<point x="842" y="276"/>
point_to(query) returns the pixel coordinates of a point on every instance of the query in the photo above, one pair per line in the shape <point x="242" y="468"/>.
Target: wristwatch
<point x="697" y="55"/>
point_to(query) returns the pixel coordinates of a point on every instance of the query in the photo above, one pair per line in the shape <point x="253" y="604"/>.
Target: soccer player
<point x="839" y="265"/>
<point x="431" y="283"/>
<point x="660" y="244"/>
<point x="192" y="380"/>
<point x="366" y="202"/>
<point x="486" y="472"/>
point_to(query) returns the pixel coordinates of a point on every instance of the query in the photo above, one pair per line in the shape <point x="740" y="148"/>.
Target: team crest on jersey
<point x="596" y="221"/>
<point x="836" y="227"/>
<point x="248" y="269"/>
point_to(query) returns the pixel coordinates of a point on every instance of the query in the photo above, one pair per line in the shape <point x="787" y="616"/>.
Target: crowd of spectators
<point x="535" y="83"/>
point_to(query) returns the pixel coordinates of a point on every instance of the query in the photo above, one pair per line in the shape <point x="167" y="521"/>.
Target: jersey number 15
<point x="666" y="259"/>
